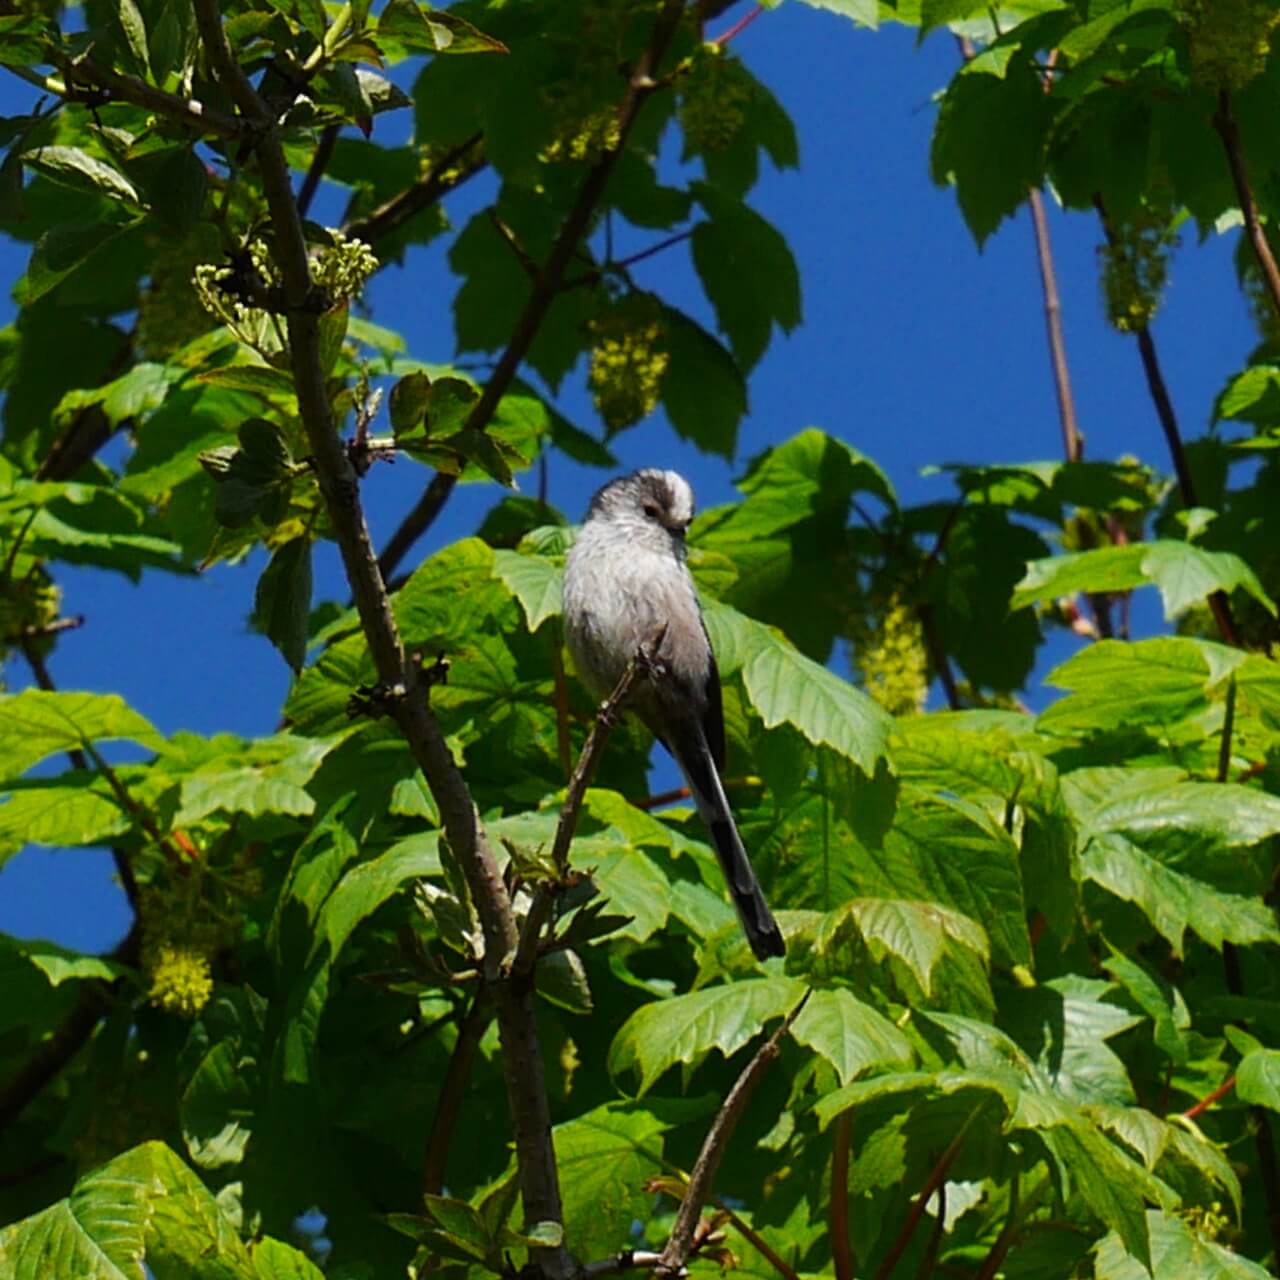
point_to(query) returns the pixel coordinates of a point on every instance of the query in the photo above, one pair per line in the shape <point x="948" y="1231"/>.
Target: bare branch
<point x="1072" y="443"/>
<point x="841" y="1245"/>
<point x="1225" y="123"/>
<point x="452" y="1089"/>
<point x="607" y="716"/>
<point x="1218" y="602"/>
<point x="937" y="1176"/>
<point x="676" y="1254"/>
<point x="450" y="171"/>
<point x="111" y="85"/>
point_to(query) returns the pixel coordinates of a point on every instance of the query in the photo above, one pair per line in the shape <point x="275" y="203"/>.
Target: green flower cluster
<point x="628" y="361"/>
<point x="891" y="654"/>
<point x="1229" y="40"/>
<point x="1135" y="269"/>
<point x="714" y="98"/>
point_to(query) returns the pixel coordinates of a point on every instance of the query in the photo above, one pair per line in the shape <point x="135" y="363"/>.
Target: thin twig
<point x="1219" y="605"/>
<point x="676" y="1253"/>
<point x="1225" y="123"/>
<point x="319" y="163"/>
<point x="44" y="680"/>
<point x="598" y="274"/>
<point x="416" y="523"/>
<point x="1210" y="1098"/>
<point x="189" y="111"/>
<point x="1072" y="444"/>
<point x="627" y="1260"/>
<point x="937" y="1177"/>
<point x="938" y="656"/>
<point x="606" y="717"/>
<point x="930" y="1260"/>
<point x="756" y="1241"/>
<point x="546" y="285"/>
<point x="742" y="23"/>
<point x="452" y="1089"/>
<point x="841" y="1243"/>
<point x="522" y="1060"/>
<point x="449" y="172"/>
<point x="664" y="798"/>
<point x="43" y="630"/>
<point x="1228" y="727"/>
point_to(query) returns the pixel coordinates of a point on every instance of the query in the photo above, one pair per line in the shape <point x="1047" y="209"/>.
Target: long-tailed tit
<point x="625" y="582"/>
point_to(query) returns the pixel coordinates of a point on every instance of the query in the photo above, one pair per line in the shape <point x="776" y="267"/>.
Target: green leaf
<point x="145" y="1206"/>
<point x="989" y="142"/>
<point x="604" y="1157"/>
<point x="703" y="389"/>
<point x="786" y="687"/>
<point x="687" y="1028"/>
<point x="1174" y="902"/>
<point x="534" y="581"/>
<point x="1184" y="574"/>
<point x="408" y="401"/>
<point x="275" y="1260"/>
<point x="226" y="774"/>
<point x="58" y="964"/>
<point x="748" y="273"/>
<point x="217" y="1107"/>
<point x="135" y="33"/>
<point x="420" y="29"/>
<point x="63" y="250"/>
<point x="77" y="169"/>
<point x="1177" y="1253"/>
<point x="1166" y="679"/>
<point x="54" y="814"/>
<point x="282" y="602"/>
<point x="1258" y="1078"/>
<point x="259" y="378"/>
<point x="35" y="724"/>
<point x="850" y="1035"/>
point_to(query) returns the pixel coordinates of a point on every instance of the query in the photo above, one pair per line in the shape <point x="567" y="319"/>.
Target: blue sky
<point x="916" y="348"/>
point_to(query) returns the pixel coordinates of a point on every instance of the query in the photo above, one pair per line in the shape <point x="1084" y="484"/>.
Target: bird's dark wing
<point x="713" y="719"/>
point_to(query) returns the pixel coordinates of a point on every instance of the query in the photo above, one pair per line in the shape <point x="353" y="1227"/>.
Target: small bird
<point x="625" y="585"/>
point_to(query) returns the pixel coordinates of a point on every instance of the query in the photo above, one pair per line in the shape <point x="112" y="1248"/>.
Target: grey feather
<point x="625" y="581"/>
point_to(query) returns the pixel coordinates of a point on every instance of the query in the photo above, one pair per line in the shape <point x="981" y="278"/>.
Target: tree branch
<point x="606" y="717"/>
<point x="1218" y="602"/>
<point x="841" y="1246"/>
<point x="189" y="111"/>
<point x="1225" y="123"/>
<point x="522" y="1062"/>
<point x="937" y="1176"/>
<point x="319" y="163"/>
<point x="678" y="1247"/>
<point x="450" y="171"/>
<point x="1072" y="444"/>
<point x="546" y="285"/>
<point x="452" y="1089"/>
<point x="627" y="1260"/>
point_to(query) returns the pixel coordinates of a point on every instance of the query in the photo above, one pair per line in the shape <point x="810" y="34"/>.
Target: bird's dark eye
<point x="651" y="511"/>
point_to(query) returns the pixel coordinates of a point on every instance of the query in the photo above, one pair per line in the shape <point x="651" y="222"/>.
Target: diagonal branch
<point x="679" y="1246"/>
<point x="607" y="716"/>
<point x="522" y="1061"/>
<point x="546" y="284"/>
<point x="452" y="1088"/>
<point x="1218" y="602"/>
<point x="1224" y="122"/>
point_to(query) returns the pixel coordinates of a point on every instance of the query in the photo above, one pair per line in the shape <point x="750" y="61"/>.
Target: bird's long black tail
<point x="693" y="755"/>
